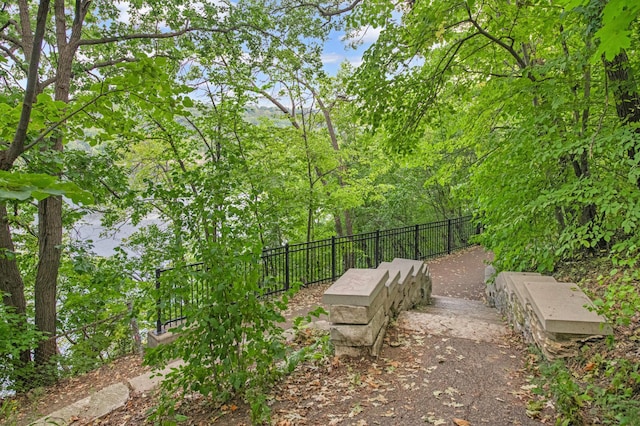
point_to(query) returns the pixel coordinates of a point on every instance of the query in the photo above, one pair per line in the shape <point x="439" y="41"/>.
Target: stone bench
<point x="420" y="290"/>
<point x="362" y="302"/>
<point x="558" y="317"/>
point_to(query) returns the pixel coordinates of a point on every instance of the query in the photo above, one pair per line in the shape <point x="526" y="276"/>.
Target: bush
<point x="230" y="341"/>
<point x="17" y="336"/>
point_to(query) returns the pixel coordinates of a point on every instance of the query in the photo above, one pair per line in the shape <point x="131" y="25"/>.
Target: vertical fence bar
<point x="158" y="304"/>
<point x="377" y="250"/>
<point x="333" y="258"/>
<point x="416" y="242"/>
<point x="287" y="277"/>
<point x="449" y="236"/>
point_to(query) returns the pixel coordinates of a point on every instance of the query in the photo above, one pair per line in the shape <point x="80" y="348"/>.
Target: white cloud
<point x="355" y="61"/>
<point x="332" y="58"/>
<point x="365" y="35"/>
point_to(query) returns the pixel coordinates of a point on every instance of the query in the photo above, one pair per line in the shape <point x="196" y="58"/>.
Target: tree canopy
<point x="216" y="122"/>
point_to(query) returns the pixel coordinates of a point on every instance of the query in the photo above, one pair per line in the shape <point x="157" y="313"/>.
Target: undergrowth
<point x="602" y="384"/>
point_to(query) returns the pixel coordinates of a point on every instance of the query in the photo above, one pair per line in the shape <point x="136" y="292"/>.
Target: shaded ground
<point x="42" y="401"/>
<point x="460" y="274"/>
<point x="420" y="378"/>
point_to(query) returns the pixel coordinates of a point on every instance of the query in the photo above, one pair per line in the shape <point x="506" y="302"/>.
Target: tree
<point x="531" y="114"/>
<point x="88" y="43"/>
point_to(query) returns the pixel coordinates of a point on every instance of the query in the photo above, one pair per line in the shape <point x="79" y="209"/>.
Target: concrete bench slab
<point x="350" y="314"/>
<point x="560" y="307"/>
<point x="398" y="278"/>
<point x="516" y="283"/>
<point x="405" y="270"/>
<point x="419" y="267"/>
<point x="357" y="287"/>
<point x="503" y="278"/>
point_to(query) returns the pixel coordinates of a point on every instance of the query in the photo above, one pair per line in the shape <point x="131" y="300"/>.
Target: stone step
<point x="442" y="305"/>
<point x="452" y="317"/>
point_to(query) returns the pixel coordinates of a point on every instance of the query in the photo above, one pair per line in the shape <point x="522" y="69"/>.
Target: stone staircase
<point x="452" y="317"/>
<point x="558" y="317"/>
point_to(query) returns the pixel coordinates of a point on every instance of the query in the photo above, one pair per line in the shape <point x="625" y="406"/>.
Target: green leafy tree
<point x="66" y="61"/>
<point x="527" y="120"/>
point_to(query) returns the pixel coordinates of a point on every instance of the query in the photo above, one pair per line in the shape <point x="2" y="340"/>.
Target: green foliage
<point x="621" y="299"/>
<point x="16" y="336"/>
<point x="608" y="391"/>
<point x="568" y="397"/>
<point x="230" y="341"/>
<point x="24" y="186"/>
<point x="615" y="32"/>
<point x="93" y="337"/>
<point x="520" y="130"/>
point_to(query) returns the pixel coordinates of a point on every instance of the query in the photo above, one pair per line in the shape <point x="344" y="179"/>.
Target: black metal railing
<point x="318" y="261"/>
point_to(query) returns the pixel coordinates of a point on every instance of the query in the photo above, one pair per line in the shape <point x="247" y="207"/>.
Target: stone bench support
<point x="555" y="316"/>
<point x="363" y="301"/>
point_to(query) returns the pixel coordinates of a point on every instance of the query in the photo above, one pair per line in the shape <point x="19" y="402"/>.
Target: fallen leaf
<point x="451" y="391"/>
<point x="389" y="413"/>
<point x="380" y="398"/>
<point x="432" y="419"/>
<point x="461" y="422"/>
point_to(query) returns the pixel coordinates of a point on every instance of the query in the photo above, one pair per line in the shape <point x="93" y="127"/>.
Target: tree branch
<point x="59" y="123"/>
<point x="16" y="149"/>
<point x="327" y="13"/>
<point x="90" y="67"/>
<point x="279" y="105"/>
<point x="142" y="36"/>
<point x="511" y="50"/>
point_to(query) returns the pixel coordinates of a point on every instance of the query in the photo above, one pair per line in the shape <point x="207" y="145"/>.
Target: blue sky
<point x="338" y="49"/>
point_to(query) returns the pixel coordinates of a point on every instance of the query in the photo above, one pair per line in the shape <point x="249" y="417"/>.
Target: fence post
<point x="377" y="250"/>
<point x="449" y="236"/>
<point x="333" y="258"/>
<point x="286" y="267"/>
<point x="416" y="242"/>
<point x="158" y="304"/>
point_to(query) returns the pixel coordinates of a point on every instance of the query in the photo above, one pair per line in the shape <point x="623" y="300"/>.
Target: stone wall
<point x="557" y="317"/>
<point x="363" y="301"/>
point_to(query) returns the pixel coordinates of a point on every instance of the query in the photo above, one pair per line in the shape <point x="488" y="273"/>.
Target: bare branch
<point x="278" y="104"/>
<point x="9" y="53"/>
<point x="508" y="48"/>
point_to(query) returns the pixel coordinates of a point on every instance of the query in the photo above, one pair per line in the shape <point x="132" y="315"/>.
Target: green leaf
<point x="23" y="186"/>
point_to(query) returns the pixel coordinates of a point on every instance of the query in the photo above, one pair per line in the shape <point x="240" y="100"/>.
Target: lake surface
<point x="105" y="240"/>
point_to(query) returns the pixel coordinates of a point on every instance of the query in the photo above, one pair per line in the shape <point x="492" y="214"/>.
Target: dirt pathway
<point x="427" y="373"/>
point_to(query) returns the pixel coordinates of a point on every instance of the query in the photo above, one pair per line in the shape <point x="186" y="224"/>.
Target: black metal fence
<point x="318" y="261"/>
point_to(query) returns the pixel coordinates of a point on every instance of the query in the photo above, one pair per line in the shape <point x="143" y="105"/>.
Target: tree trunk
<point x="625" y="90"/>
<point x="11" y="284"/>
<point x="50" y="239"/>
<point x="50" y="209"/>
